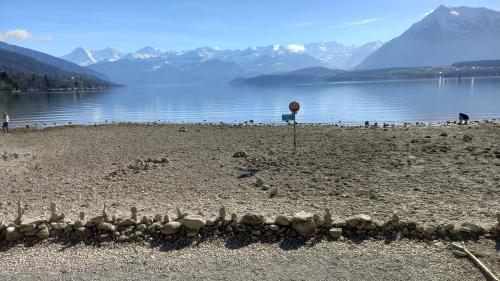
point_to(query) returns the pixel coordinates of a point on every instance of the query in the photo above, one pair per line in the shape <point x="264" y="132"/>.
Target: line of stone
<point x="254" y="227"/>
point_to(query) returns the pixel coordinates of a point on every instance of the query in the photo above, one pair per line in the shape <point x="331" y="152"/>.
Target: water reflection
<point x="399" y="101"/>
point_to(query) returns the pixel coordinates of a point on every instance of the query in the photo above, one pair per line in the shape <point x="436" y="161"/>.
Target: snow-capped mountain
<point x="340" y="56"/>
<point x="150" y="65"/>
<point x="108" y="54"/>
<point x="146" y="53"/>
<point x="445" y="36"/>
<point x="85" y="57"/>
<point x="80" y="56"/>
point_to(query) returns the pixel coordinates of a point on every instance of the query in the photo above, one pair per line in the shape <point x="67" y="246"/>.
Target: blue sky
<point x="57" y="27"/>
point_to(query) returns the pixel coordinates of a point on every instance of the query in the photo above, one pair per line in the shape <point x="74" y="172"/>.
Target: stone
<point x="20" y="213"/>
<point x="146" y="220"/>
<point x="274" y="192"/>
<point x="127" y="222"/>
<point x="467" y="138"/>
<point x="335" y="233"/>
<point x="327" y="219"/>
<point x="180" y="214"/>
<point x="303" y="224"/>
<point x="82" y="233"/>
<point x="473" y="228"/>
<point x="240" y="154"/>
<point x="106" y="226"/>
<point x="303" y="216"/>
<point x="359" y="221"/>
<point x="283" y="220"/>
<point x="252" y="219"/>
<point x="58" y="225"/>
<point x="166" y="218"/>
<point x="13" y="234"/>
<point x="105" y="214"/>
<point x="234" y="217"/>
<point x="274" y="227"/>
<point x="255" y="232"/>
<point x="43" y="232"/>
<point x="122" y="238"/>
<point x="193" y="222"/>
<point x="25" y="227"/>
<point x="222" y="213"/>
<point x="133" y="212"/>
<point x="54" y="216"/>
<point x="157" y="218"/>
<point x="141" y="227"/>
<point x="171" y="228"/>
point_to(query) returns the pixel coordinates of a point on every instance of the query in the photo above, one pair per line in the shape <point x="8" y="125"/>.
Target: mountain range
<point x="149" y="65"/>
<point x="331" y="54"/>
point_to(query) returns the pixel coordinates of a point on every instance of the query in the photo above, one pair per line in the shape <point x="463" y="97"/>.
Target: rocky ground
<point x="428" y="174"/>
<point x="370" y="260"/>
<point x="423" y="173"/>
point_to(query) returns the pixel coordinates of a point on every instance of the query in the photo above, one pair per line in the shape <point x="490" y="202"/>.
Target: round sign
<point x="294" y="106"/>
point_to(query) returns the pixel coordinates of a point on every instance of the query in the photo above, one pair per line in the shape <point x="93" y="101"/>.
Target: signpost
<point x="294" y="108"/>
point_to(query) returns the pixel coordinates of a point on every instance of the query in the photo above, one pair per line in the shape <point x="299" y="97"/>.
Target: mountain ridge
<point x="445" y="36"/>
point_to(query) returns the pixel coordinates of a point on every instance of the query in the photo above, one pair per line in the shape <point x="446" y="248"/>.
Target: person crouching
<point x="463" y="118"/>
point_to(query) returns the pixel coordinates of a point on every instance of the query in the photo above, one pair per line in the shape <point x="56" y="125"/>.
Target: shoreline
<point x="345" y="124"/>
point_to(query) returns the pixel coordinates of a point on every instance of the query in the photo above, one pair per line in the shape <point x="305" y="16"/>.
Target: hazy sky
<point x="57" y="26"/>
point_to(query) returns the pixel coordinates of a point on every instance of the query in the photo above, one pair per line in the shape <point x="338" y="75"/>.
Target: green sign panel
<point x="287" y="117"/>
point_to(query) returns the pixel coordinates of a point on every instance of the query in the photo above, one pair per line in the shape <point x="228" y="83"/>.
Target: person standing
<point x="5" y="126"/>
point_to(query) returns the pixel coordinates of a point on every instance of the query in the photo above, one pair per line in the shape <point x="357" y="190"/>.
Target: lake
<point x="390" y="101"/>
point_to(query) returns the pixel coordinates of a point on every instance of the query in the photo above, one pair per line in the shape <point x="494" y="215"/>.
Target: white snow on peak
<point x="295" y="48"/>
<point x="276" y="48"/>
<point x="459" y="19"/>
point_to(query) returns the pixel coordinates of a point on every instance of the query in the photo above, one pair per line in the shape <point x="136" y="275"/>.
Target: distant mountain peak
<point x="444" y="36"/>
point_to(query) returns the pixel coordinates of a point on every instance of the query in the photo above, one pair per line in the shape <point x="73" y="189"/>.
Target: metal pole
<point x="294" y="134"/>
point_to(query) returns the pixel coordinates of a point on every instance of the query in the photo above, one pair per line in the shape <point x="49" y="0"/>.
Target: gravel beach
<point x="425" y="174"/>
<point x="370" y="260"/>
<point x="428" y="174"/>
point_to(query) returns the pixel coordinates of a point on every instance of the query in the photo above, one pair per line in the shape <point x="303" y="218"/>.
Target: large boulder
<point x="303" y="223"/>
<point x="194" y="222"/>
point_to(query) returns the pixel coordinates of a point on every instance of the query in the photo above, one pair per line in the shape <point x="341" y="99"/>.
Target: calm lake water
<point x="400" y="101"/>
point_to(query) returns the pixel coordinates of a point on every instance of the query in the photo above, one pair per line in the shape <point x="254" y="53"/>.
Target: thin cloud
<point x="16" y="34"/>
<point x="357" y="23"/>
